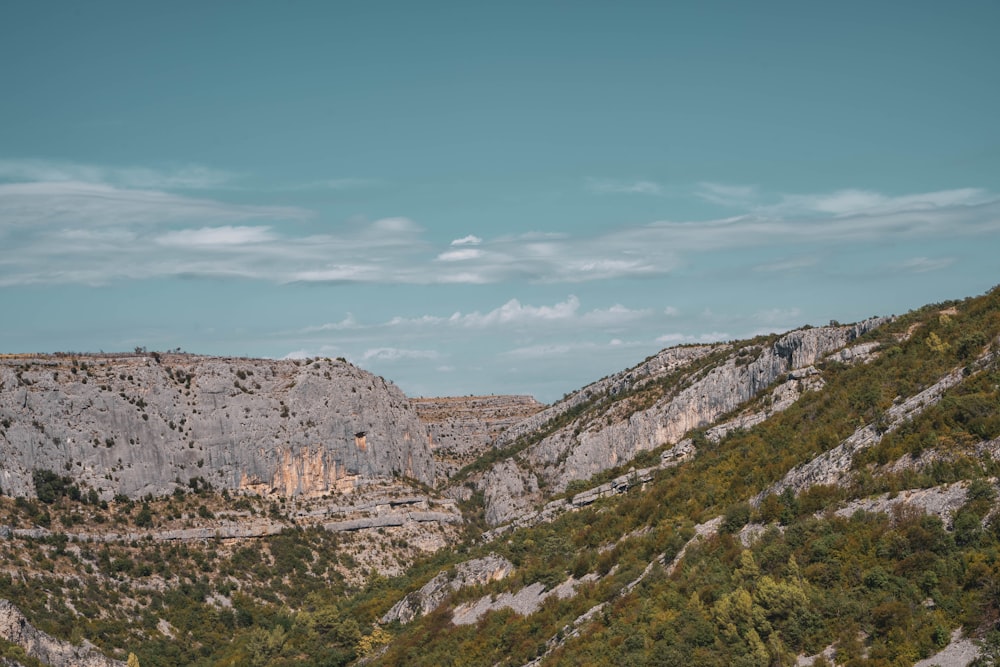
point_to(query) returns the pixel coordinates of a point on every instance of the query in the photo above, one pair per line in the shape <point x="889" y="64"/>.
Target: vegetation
<point x="880" y="588"/>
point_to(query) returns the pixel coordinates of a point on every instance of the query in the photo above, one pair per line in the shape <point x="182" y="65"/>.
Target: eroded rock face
<point x="432" y="594"/>
<point x="723" y="389"/>
<point x="138" y="424"/>
<point x="507" y="491"/>
<point x="462" y="428"/>
<point x="14" y="627"/>
<point x="659" y="365"/>
<point x="575" y="453"/>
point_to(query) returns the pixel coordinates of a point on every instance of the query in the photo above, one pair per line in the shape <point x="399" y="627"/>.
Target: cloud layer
<point x="63" y="223"/>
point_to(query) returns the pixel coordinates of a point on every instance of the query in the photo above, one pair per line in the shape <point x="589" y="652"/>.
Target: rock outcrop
<point x="656" y="367"/>
<point x="15" y="628"/>
<point x="579" y="450"/>
<point x="833" y="465"/>
<point x="507" y="491"/>
<point x="142" y="424"/>
<point x="470" y="573"/>
<point x="463" y="428"/>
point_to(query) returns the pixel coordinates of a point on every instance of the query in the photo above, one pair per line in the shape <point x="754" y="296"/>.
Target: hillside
<point x="825" y="496"/>
<point x="145" y="424"/>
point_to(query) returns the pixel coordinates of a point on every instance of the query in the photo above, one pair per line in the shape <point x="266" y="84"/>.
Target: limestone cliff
<point x="462" y="428"/>
<point x="613" y="432"/>
<point x="141" y="424"/>
<point x="15" y="628"/>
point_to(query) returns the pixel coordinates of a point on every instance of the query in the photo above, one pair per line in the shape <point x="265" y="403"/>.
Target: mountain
<point x="145" y="424"/>
<point x="828" y="495"/>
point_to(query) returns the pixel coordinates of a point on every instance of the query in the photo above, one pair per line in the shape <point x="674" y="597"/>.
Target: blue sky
<point x="515" y="197"/>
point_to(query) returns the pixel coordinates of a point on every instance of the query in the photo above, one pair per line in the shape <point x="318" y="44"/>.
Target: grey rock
<point x="462" y="428"/>
<point x="722" y="389"/>
<point x="833" y="466"/>
<point x="134" y="425"/>
<point x="525" y="601"/>
<point x="365" y="523"/>
<point x="579" y="451"/>
<point x="656" y="367"/>
<point x="15" y="628"/>
<point x="433" y="593"/>
<point x="940" y="501"/>
<point x="507" y="491"/>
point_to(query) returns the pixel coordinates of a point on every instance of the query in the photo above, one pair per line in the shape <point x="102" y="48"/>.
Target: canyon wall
<point x="142" y="424"/>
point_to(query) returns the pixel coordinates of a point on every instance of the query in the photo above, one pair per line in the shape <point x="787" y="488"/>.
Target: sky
<point x="488" y="198"/>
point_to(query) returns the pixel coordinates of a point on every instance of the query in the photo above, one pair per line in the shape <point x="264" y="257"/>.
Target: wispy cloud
<point x="840" y="203"/>
<point x="681" y="338"/>
<point x="74" y="203"/>
<point x="514" y="314"/>
<point x="349" y="322"/>
<point x="612" y="187"/>
<point x="527" y="320"/>
<point x="185" y="177"/>
<point x="924" y="264"/>
<point x="460" y="255"/>
<point x="787" y="264"/>
<point x="212" y="237"/>
<point x="334" y="184"/>
<point x="398" y="354"/>
<point x="736" y="196"/>
<point x="57" y="231"/>
<point x="549" y="350"/>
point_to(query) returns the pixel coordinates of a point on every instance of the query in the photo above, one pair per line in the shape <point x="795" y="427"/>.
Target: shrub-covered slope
<point x="782" y="574"/>
<point x="730" y="555"/>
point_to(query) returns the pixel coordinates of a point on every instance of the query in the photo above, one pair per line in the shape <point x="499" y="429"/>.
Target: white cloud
<point x="924" y="264"/>
<point x="840" y="203"/>
<point x="339" y="184"/>
<point x="616" y="315"/>
<point x="460" y="255"/>
<point x="349" y="322"/>
<point x="787" y="265"/>
<point x="607" y="187"/>
<point x="680" y="338"/>
<point x="865" y="202"/>
<point x="671" y="311"/>
<point x="186" y="177"/>
<point x="57" y="231"/>
<point x="549" y="350"/>
<point x="76" y="203"/>
<point x="209" y="237"/>
<point x="513" y="312"/>
<point x="297" y="354"/>
<point x="739" y="196"/>
<point x="395" y="226"/>
<point x="397" y="354"/>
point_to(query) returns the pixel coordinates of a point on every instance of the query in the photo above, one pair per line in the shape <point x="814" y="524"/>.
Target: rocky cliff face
<point x="137" y="424"/>
<point x="579" y="449"/>
<point x="462" y="428"/>
<point x="433" y="593"/>
<point x="15" y="628"/>
<point x="654" y="368"/>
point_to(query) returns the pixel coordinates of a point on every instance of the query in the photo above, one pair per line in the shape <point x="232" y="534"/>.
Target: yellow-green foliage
<point x="886" y="590"/>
